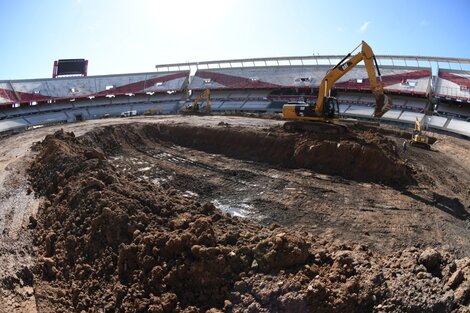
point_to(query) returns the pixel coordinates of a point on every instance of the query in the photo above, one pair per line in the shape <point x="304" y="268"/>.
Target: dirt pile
<point x="359" y="155"/>
<point x="112" y="242"/>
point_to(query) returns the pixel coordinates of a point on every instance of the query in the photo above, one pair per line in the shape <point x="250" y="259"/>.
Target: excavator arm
<point x="326" y="109"/>
<point x="383" y="102"/>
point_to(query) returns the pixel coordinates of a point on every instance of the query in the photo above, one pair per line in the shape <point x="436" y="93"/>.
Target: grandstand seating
<point x="255" y="106"/>
<point x="260" y="94"/>
<point x="48" y="118"/>
<point x="218" y="94"/>
<point x="108" y="110"/>
<point x="392" y="114"/>
<point x="25" y="91"/>
<point x="459" y="126"/>
<point x="410" y="116"/>
<point x="13" y="124"/>
<point x="56" y="107"/>
<point x="25" y="110"/>
<point x="437" y="121"/>
<point x="407" y="80"/>
<point x="415" y="105"/>
<point x="456" y="109"/>
<point x="453" y="85"/>
<point x="359" y="110"/>
<point x="231" y="105"/>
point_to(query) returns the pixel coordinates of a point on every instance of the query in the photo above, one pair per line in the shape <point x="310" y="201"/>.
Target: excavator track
<point x="315" y="127"/>
<point x="421" y="145"/>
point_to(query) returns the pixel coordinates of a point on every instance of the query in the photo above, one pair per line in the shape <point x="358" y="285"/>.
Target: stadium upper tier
<point x="453" y="85"/>
<point x="40" y="90"/>
<point x="408" y="80"/>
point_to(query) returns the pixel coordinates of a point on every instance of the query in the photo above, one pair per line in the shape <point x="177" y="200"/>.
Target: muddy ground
<point x="313" y="224"/>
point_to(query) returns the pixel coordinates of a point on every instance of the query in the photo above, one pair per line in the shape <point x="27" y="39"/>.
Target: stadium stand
<point x="24" y="103"/>
<point x="358" y="110"/>
<point x="392" y="114"/>
<point x="40" y="90"/>
<point x="454" y="109"/>
<point x="459" y="126"/>
<point x="407" y="80"/>
<point x="48" y="118"/>
<point x="255" y="106"/>
<point x="437" y="121"/>
<point x="453" y="85"/>
<point x="13" y="124"/>
<point x="231" y="106"/>
<point x="20" y="111"/>
<point x="410" y="116"/>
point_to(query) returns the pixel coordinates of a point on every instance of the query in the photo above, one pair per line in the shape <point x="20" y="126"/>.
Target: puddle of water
<point x="158" y="181"/>
<point x="240" y="210"/>
<point x="190" y="194"/>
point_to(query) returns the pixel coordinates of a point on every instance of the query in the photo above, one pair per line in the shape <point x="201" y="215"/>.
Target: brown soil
<point x="361" y="155"/>
<point x="123" y="227"/>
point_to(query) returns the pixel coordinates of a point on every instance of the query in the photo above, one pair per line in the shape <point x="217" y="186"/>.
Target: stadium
<point x="247" y="85"/>
<point x="330" y="182"/>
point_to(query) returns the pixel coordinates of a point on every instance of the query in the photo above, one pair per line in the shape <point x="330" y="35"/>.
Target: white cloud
<point x="364" y="27"/>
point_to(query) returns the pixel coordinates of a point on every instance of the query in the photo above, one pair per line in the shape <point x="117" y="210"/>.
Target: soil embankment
<point x="359" y="155"/>
<point x="110" y="241"/>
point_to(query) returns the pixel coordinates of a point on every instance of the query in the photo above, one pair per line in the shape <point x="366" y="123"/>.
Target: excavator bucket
<point x="383" y="104"/>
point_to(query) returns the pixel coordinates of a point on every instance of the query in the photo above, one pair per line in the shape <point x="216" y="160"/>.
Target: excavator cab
<point x="313" y="121"/>
<point x="331" y="108"/>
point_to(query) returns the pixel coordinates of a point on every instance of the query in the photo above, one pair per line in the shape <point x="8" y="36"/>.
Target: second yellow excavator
<point x="326" y="110"/>
<point x="196" y="108"/>
<point x="419" y="138"/>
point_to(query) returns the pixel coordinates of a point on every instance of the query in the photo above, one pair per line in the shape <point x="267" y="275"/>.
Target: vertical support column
<point x="54" y="69"/>
<point x="85" y="69"/>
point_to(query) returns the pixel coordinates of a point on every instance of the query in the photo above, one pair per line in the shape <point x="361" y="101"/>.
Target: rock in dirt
<point x="431" y="259"/>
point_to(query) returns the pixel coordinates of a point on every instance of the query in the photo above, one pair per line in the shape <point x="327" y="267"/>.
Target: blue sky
<point x="124" y="36"/>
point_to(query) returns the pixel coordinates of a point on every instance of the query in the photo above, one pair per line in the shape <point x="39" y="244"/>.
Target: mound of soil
<point x="360" y="155"/>
<point x="111" y="242"/>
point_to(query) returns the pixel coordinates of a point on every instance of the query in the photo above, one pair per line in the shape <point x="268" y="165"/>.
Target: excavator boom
<point x="383" y="102"/>
<point x="326" y="106"/>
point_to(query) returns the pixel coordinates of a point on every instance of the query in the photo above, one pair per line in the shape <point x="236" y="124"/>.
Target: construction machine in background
<point x="325" y="112"/>
<point x="419" y="139"/>
<point x="153" y="111"/>
<point x="196" y="107"/>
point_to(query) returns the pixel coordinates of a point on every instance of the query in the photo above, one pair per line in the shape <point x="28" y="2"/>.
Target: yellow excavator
<point x="419" y="139"/>
<point x="195" y="108"/>
<point x="326" y="110"/>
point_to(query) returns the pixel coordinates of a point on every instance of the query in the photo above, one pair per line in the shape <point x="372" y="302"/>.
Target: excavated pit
<point x="362" y="155"/>
<point x="111" y="240"/>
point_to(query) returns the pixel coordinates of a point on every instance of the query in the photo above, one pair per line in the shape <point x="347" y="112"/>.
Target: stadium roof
<point x="398" y="60"/>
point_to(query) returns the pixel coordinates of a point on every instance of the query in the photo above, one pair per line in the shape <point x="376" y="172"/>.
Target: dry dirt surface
<point x="231" y="214"/>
